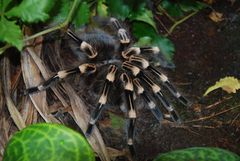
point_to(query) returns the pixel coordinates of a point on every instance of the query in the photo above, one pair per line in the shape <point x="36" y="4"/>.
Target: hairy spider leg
<point x="110" y="77"/>
<point x="137" y="50"/>
<point x="82" y="69"/>
<point x="143" y="63"/>
<point x="151" y="104"/>
<point x="136" y="71"/>
<point x="84" y="46"/>
<point x="122" y="33"/>
<point x="128" y="90"/>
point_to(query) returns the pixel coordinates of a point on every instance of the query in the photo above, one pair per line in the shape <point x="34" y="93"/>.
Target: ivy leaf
<point x="144" y="16"/>
<point x="228" y="84"/>
<point x="82" y="15"/>
<point x="32" y="10"/>
<point x="11" y="33"/>
<point x="118" y="8"/>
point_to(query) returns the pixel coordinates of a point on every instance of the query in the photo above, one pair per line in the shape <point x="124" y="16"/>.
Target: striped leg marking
<point x="128" y="90"/>
<point x="131" y="129"/>
<point x="84" y="46"/>
<point x="103" y="98"/>
<point x="141" y="91"/>
<point x="122" y="33"/>
<point x="140" y="61"/>
<point x="155" y="88"/>
<point x="84" y="68"/>
<point x="137" y="50"/>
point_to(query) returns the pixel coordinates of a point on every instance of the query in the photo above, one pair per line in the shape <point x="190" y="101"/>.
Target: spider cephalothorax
<point x="128" y="72"/>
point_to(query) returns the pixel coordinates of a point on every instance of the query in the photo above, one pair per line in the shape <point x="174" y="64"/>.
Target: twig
<point x="211" y="116"/>
<point x="164" y="12"/>
<point x="217" y="103"/>
<point x="232" y="122"/>
<point x="62" y="25"/>
<point x="180" y="21"/>
<point x="165" y="28"/>
<point x="5" y="47"/>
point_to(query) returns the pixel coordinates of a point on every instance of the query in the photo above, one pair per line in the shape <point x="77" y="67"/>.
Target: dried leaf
<point x="209" y="1"/>
<point x="81" y="117"/>
<point x="229" y="84"/>
<point x="216" y="16"/>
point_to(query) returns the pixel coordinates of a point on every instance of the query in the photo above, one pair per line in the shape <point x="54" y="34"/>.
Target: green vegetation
<point x="14" y="16"/>
<point x="48" y="142"/>
<point x="198" y="154"/>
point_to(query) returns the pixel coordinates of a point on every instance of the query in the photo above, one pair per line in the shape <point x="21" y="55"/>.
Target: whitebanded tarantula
<point x="126" y="64"/>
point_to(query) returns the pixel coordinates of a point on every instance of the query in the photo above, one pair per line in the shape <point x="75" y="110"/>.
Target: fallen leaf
<point x="216" y="16"/>
<point x="228" y="84"/>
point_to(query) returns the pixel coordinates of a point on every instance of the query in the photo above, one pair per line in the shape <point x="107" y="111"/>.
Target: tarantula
<point x="129" y="70"/>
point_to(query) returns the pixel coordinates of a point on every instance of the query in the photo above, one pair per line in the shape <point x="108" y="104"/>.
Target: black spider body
<point x="116" y="73"/>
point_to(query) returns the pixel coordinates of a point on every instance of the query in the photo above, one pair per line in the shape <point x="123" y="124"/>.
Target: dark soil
<point x="205" y="52"/>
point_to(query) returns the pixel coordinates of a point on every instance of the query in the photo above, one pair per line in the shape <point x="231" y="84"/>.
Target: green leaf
<point x="32" y="10"/>
<point x="102" y="8"/>
<point x="141" y="29"/>
<point x="198" y="154"/>
<point x="63" y="10"/>
<point x="190" y="5"/>
<point x="117" y="122"/>
<point x="144" y="41"/>
<point x="48" y="142"/>
<point x="11" y="33"/>
<point x="3" y="5"/>
<point x="118" y="9"/>
<point x="145" y="16"/>
<point x="82" y="15"/>
<point x="166" y="47"/>
<point x="172" y="8"/>
<point x="135" y="6"/>
<point x="229" y="84"/>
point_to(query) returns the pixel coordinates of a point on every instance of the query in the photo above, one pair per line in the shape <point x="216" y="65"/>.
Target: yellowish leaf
<point x="216" y="16"/>
<point x="228" y="84"/>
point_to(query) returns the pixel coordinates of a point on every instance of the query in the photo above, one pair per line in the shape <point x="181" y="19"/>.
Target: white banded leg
<point x="143" y="63"/>
<point x="138" y="50"/>
<point x="110" y="77"/>
<point x="84" y="68"/>
<point x="84" y="46"/>
<point x="128" y="90"/>
<point x="130" y="135"/>
<point x="122" y="33"/>
<point x="142" y="92"/>
<point x="136" y="71"/>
